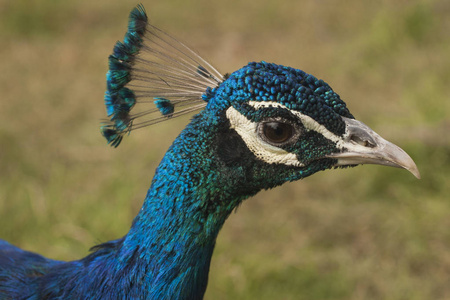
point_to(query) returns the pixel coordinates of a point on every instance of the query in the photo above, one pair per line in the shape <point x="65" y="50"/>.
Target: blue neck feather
<point x="167" y="252"/>
<point x="172" y="238"/>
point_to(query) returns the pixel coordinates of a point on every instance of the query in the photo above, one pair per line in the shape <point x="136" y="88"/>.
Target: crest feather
<point x="150" y="67"/>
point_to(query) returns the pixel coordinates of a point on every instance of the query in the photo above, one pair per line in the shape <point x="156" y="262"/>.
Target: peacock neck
<point x="190" y="198"/>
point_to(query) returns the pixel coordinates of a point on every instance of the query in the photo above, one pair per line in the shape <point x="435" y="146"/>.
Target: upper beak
<point x="361" y="145"/>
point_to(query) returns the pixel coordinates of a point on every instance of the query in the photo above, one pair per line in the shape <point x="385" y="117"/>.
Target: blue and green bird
<point x="258" y="127"/>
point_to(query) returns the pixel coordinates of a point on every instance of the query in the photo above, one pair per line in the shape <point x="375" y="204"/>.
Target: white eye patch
<point x="311" y="124"/>
<point x="269" y="153"/>
<point x="308" y="122"/>
<point x="262" y="150"/>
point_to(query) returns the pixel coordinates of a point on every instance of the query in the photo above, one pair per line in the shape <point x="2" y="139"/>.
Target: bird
<point x="254" y="129"/>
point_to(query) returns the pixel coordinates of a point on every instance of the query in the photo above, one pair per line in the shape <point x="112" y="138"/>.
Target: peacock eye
<point x="276" y="132"/>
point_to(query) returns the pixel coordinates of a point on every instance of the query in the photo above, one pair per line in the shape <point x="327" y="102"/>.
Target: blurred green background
<point x="363" y="233"/>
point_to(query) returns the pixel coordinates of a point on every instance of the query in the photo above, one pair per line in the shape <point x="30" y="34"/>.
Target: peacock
<point x="256" y="128"/>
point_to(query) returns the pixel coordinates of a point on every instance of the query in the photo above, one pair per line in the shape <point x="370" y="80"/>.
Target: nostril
<point x="361" y="136"/>
<point x="362" y="141"/>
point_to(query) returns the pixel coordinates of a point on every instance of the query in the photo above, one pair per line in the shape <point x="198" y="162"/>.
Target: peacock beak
<point x="362" y="145"/>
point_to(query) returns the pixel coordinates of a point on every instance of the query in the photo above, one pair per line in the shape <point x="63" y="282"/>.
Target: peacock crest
<point x="152" y="69"/>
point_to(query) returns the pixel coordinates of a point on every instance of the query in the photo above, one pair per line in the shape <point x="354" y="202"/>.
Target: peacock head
<point x="290" y="123"/>
<point x="290" y="119"/>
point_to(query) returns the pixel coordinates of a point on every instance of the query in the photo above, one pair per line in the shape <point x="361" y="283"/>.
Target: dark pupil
<point x="277" y="132"/>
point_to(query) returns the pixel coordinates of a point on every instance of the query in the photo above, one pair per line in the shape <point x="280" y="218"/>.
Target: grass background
<point x="363" y="233"/>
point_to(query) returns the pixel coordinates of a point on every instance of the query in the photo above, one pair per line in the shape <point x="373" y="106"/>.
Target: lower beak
<point x="361" y="145"/>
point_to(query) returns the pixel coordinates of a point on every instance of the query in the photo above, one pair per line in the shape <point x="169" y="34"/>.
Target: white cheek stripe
<point x="308" y="122"/>
<point x="271" y="154"/>
<point x="262" y="150"/>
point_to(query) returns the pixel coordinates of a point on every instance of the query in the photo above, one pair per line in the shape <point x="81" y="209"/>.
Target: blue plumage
<point x="164" y="105"/>
<point x="259" y="127"/>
